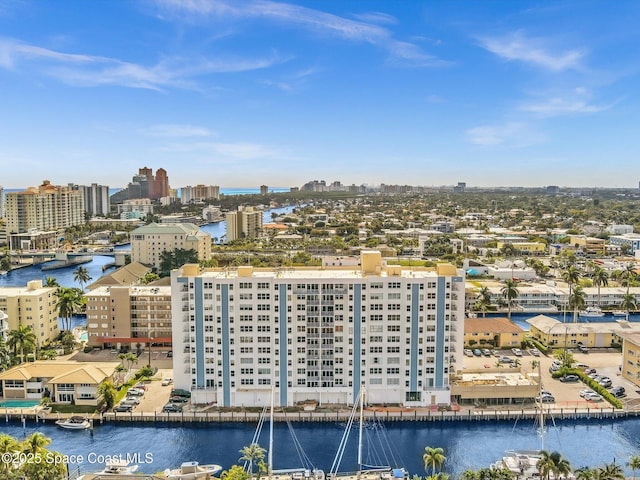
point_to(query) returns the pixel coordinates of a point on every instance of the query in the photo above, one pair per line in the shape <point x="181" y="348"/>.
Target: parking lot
<point x="566" y="394"/>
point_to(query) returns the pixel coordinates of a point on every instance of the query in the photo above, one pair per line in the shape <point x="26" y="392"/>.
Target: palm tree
<point x="545" y="465"/>
<point x="22" y="340"/>
<point x="253" y="454"/>
<point x="5" y="355"/>
<point x="433" y="458"/>
<point x="69" y="303"/>
<point x="610" y="471"/>
<point x="35" y="443"/>
<point x="81" y="275"/>
<point x="51" y="282"/>
<point x="8" y="445"/>
<point x="627" y="274"/>
<point x="483" y="301"/>
<point x="571" y="275"/>
<point x="634" y="464"/>
<point x="584" y="473"/>
<point x="576" y="301"/>
<point x="510" y="293"/>
<point x="600" y="279"/>
<point x="563" y="467"/>
<point x="629" y="303"/>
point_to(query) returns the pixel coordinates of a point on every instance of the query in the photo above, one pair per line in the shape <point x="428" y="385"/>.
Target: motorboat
<point x="116" y="466"/>
<point x="74" y="423"/>
<point x="192" y="470"/>
<point x="619" y="313"/>
<point x="591" y="312"/>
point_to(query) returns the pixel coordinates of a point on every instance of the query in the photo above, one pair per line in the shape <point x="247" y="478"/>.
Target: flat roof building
<point x="32" y="305"/>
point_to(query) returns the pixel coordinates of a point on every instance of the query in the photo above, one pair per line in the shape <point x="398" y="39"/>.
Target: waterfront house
<point x="492" y="332"/>
<point x="554" y="333"/>
<point x="63" y="381"/>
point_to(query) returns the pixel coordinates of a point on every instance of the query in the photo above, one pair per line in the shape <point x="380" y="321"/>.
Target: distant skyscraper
<point x="1" y="202"/>
<point x="264" y="189"/>
<point x="199" y="193"/>
<point x="145" y="185"/>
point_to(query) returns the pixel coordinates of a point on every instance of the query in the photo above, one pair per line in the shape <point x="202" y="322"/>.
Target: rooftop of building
<point x="127" y="275"/>
<point x="550" y="325"/>
<point x="493" y="325"/>
<point x="58" y="371"/>
<point x="140" y="290"/>
<point x="33" y="287"/>
<point x="167" y="228"/>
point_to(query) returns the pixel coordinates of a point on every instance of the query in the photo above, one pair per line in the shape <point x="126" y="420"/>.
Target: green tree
<point x="8" y="444"/>
<point x="81" y="275"/>
<point x="22" y="340"/>
<point x="148" y="278"/>
<point x="510" y="293"/>
<point x="51" y="282"/>
<point x="236" y="472"/>
<point x="584" y="473"/>
<point x="35" y="444"/>
<point x="629" y="303"/>
<point x="108" y="393"/>
<point x="572" y="276"/>
<point x="610" y="471"/>
<point x="483" y="300"/>
<point x="577" y="301"/>
<point x="171" y="259"/>
<point x="433" y="458"/>
<point x="628" y="274"/>
<point x="252" y="453"/>
<point x="545" y="465"/>
<point x="69" y="303"/>
<point x="634" y="464"/>
<point x="600" y="279"/>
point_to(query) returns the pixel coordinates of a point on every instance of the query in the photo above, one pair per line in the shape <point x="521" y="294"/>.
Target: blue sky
<point x="243" y="93"/>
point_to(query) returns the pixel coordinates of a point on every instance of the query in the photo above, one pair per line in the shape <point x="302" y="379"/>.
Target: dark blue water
<point x="467" y="445"/>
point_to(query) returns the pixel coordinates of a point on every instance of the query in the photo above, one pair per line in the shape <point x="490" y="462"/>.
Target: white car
<point x="586" y="391"/>
<point x="517" y="352"/>
<point x="167" y="381"/>
<point x="535" y="352"/>
<point x="468" y="352"/>
<point x="593" y="397"/>
<point x="135" y="392"/>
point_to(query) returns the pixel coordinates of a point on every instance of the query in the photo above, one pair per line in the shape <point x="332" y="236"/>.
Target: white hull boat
<point x="192" y="471"/>
<point x="592" y="312"/>
<point x="74" y="423"/>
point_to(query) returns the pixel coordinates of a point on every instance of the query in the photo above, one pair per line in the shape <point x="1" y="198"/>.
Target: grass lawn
<point x="63" y="408"/>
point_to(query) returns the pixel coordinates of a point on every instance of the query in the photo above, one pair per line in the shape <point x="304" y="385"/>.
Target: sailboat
<point x="305" y="472"/>
<point x="364" y="472"/>
<point x="523" y="464"/>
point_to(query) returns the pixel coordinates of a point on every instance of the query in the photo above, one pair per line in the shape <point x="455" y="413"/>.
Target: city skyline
<point x="280" y="93"/>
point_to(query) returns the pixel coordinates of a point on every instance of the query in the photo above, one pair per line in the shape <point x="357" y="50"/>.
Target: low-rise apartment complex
<point x="318" y="333"/>
<point x="492" y="332"/>
<point x="132" y="317"/>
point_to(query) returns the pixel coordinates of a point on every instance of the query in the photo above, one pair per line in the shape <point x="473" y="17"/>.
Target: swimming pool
<point x="19" y="403"/>
<point x="84" y="337"/>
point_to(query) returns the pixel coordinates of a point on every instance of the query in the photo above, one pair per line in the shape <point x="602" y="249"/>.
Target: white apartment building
<point x="318" y="333"/>
<point x="97" y="201"/>
<point x="149" y="241"/>
<point x="4" y="325"/>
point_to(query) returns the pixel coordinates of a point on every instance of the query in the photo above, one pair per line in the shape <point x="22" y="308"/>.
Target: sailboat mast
<point x="541" y="413"/>
<point x="270" y="458"/>
<point x="360" y="429"/>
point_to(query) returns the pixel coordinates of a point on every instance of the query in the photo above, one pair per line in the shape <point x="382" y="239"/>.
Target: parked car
<point x="180" y="392"/>
<point x="586" y="391"/>
<point x="486" y="352"/>
<point x="535" y="352"/>
<point x="517" y="352"/>
<point x="505" y="359"/>
<point x="167" y="381"/>
<point x="468" y="352"/>
<point x="605" y="382"/>
<point x="177" y="399"/>
<point x="140" y="386"/>
<point x="583" y="349"/>
<point x="170" y="354"/>
<point x="618" y="392"/>
<point x="135" y="391"/>
<point x="477" y="352"/>
<point x="495" y="353"/>
<point x="593" y="397"/>
<point x="554" y="368"/>
<point x="172" y="407"/>
<point x="123" y="408"/>
<point x="589" y="371"/>
<point x="132" y="400"/>
<point x="570" y="378"/>
<point x="546" y="398"/>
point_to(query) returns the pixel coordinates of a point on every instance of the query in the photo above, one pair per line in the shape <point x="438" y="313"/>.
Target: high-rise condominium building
<point x="245" y="223"/>
<point x="96" y="199"/>
<point x="34" y="306"/>
<point x="1" y="202"/>
<point x="199" y="193"/>
<point x="149" y="241"/>
<point x="264" y="189"/>
<point x="45" y="208"/>
<point x="125" y="316"/>
<point x="317" y="333"/>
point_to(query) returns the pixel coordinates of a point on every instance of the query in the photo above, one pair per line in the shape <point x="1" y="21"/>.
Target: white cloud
<point x="87" y="70"/>
<point x="353" y="30"/>
<point x="227" y="150"/>
<point x="518" y="47"/>
<point x="377" y="17"/>
<point x="511" y="134"/>
<point x="176" y="131"/>
<point x="573" y="103"/>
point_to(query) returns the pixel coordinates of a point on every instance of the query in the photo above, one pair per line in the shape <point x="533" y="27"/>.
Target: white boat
<point x="192" y="470"/>
<point x="591" y="312"/>
<point x="74" y="423"/>
<point x="118" y="467"/>
<point x="619" y="313"/>
<point x="364" y="472"/>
